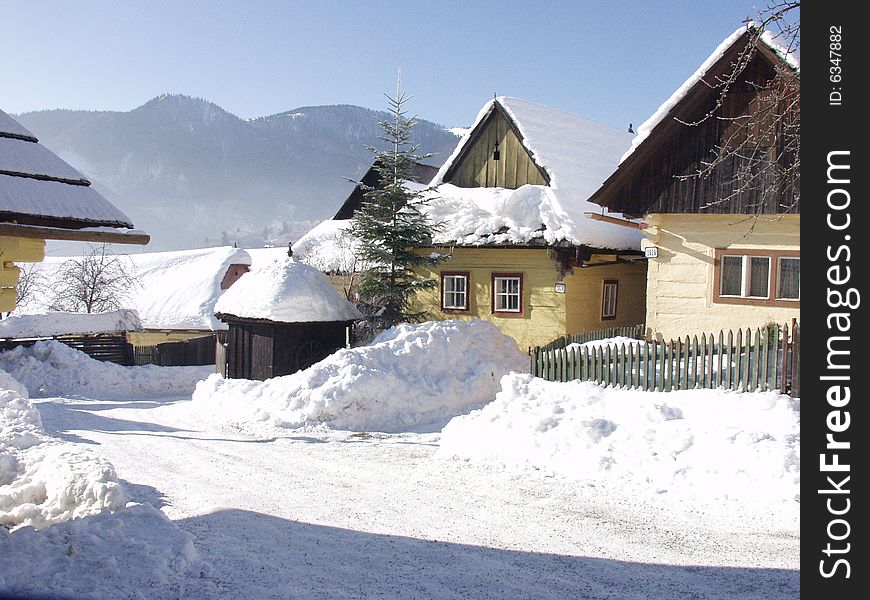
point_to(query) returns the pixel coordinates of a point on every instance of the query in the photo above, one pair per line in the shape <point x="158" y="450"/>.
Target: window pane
<point x="507" y="294"/>
<point x="455" y="291"/>
<point x="759" y="276"/>
<point x="789" y="284"/>
<point x="608" y="308"/>
<point x="732" y="276"/>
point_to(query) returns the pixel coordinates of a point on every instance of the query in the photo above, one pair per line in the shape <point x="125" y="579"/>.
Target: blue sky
<point x="613" y="61"/>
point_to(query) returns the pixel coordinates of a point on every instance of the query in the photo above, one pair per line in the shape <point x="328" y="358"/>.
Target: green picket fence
<point x="765" y="359"/>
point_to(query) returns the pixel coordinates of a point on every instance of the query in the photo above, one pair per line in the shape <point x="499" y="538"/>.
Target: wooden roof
<point x="645" y="181"/>
<point x="41" y="196"/>
<point x="421" y="173"/>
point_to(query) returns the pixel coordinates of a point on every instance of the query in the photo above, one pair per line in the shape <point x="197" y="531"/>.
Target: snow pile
<point x="136" y="553"/>
<point x="42" y="480"/>
<point x="57" y="534"/>
<point x="701" y="444"/>
<point x="287" y="291"/>
<point x="63" y="323"/>
<point x="410" y="377"/>
<point x="50" y="368"/>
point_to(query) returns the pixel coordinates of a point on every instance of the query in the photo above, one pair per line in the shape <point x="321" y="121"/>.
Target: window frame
<point x="521" y="304"/>
<point x="773" y="277"/>
<point x="614" y="283"/>
<point x="467" y="276"/>
<point x="777" y="297"/>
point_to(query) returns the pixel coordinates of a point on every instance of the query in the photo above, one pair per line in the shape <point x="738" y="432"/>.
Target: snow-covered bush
<point x="411" y="377"/>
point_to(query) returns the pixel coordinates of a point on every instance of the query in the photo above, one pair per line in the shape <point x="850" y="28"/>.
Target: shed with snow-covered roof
<point x="44" y="198"/>
<point x="282" y="317"/>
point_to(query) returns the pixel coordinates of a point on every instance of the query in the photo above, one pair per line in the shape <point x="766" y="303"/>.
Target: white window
<point x="507" y="293"/>
<point x="454" y="291"/>
<point x="608" y="299"/>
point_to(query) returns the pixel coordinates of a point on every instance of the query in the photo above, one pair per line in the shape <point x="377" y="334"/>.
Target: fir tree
<point x="390" y="226"/>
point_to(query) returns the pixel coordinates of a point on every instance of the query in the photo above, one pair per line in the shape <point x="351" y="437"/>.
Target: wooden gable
<point x="476" y="164"/>
<point x="420" y="173"/>
<point x="660" y="175"/>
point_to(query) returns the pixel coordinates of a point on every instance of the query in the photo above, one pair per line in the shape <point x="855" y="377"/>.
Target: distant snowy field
<point x="121" y="482"/>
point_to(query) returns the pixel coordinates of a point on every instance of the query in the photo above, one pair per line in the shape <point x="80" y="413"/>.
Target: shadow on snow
<point x="272" y="557"/>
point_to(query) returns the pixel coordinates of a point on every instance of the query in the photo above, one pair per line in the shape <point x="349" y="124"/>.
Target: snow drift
<point x="136" y="553"/>
<point x="59" y="532"/>
<point x="43" y="480"/>
<point x="50" y="368"/>
<point x="410" y="377"/>
<point x="698" y="444"/>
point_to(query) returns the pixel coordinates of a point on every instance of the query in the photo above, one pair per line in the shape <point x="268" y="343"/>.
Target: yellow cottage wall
<point x="13" y="249"/>
<point x="547" y="314"/>
<point x="680" y="279"/>
<point x="585" y="289"/>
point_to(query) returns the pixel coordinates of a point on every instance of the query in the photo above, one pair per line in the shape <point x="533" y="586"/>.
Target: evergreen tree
<point x="390" y="226"/>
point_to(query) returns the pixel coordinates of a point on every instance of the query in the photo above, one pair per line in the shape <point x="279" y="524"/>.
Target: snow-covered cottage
<point x="524" y="251"/>
<point x="175" y="293"/>
<point x="44" y="198"/>
<point x="282" y="317"/>
<point x="179" y="291"/>
<point x="727" y="252"/>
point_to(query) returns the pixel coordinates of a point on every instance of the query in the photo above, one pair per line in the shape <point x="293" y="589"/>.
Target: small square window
<point x="454" y="292"/>
<point x="507" y="293"/>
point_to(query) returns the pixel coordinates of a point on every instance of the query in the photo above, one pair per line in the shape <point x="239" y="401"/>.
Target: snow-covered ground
<point x="490" y="508"/>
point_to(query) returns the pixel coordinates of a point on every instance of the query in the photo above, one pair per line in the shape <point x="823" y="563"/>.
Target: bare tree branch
<point x="760" y="146"/>
<point x="94" y="283"/>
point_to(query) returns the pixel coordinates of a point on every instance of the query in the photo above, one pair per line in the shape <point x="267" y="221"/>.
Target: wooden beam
<point x="615" y="221"/>
<point x="76" y="235"/>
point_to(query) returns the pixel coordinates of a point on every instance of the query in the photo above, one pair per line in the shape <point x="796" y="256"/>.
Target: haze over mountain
<point x="192" y="174"/>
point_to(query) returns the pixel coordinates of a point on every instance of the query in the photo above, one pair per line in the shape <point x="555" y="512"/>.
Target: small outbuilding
<point x="282" y="318"/>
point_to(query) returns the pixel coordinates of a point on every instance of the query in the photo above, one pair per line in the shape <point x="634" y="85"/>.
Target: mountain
<point x="190" y="173"/>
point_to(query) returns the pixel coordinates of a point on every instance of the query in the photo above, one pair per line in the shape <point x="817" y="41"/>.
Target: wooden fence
<point x="108" y="347"/>
<point x="765" y="359"/>
<point x="193" y="351"/>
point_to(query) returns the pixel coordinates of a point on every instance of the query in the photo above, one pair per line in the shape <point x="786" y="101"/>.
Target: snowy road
<point x="311" y="515"/>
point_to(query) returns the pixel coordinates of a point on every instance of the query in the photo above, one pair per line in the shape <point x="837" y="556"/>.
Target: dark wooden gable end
<point x="661" y="175"/>
<point x="476" y="164"/>
<point x="421" y="173"/>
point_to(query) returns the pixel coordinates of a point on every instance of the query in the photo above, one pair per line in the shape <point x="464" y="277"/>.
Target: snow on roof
<point x="577" y="153"/>
<point x="10" y="126"/>
<point x="61" y="323"/>
<point x="37" y="184"/>
<point x="767" y="37"/>
<point x="177" y="290"/>
<point x="328" y="247"/>
<point x="286" y="291"/>
<point x="261" y="257"/>
<point x="180" y="289"/>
